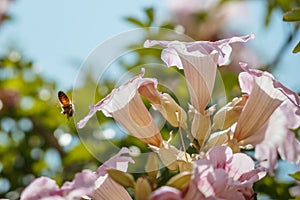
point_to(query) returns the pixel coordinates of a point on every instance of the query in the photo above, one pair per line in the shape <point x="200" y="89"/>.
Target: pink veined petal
<point x="94" y="108"/>
<point x="240" y="164"/>
<point x="220" y="156"/>
<point x="83" y="122"/>
<point x="55" y="197"/>
<point x="222" y="47"/>
<point x="202" y="167"/>
<point x="246" y="78"/>
<point x="171" y="58"/>
<point x="232" y="179"/>
<point x="83" y="184"/>
<point x="226" y="49"/>
<point x="292" y="96"/>
<point x="246" y="82"/>
<point x="40" y="187"/>
<point x="284" y="141"/>
<point x="232" y="40"/>
<point x="248" y="178"/>
<point x="192" y="192"/>
<point x="205" y="185"/>
<point x="219" y="182"/>
<point x="266" y="154"/>
<point x="151" y="43"/>
<point x="289" y="149"/>
<point x="106" y="105"/>
<point x="118" y="162"/>
<point x="202" y="175"/>
<point x="166" y="193"/>
<point x="255" y="72"/>
<point x="232" y="193"/>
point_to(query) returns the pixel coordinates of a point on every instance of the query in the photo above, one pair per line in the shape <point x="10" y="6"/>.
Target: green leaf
<point x="296" y="48"/>
<point x="150" y="15"/>
<point x="268" y="15"/>
<point x="135" y="22"/>
<point x="296" y="176"/>
<point x="293" y="15"/>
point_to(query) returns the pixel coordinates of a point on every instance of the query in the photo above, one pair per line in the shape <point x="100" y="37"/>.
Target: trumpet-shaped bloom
<point x="224" y="174"/>
<point x="171" y="55"/>
<point x="125" y="105"/>
<point x="221" y="175"/>
<point x="85" y="184"/>
<point x="263" y="100"/>
<point x="268" y="116"/>
<point x="46" y="188"/>
<point x="199" y="60"/>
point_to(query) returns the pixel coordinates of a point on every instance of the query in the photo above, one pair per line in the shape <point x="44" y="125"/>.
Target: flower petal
<point x="39" y="188"/>
<point x="284" y="141"/>
<point x="199" y="60"/>
<point x="229" y="114"/>
<point x="118" y="162"/>
<point x="83" y="184"/>
<point x="166" y="193"/>
<point x="262" y="102"/>
<point x="222" y="47"/>
<point x="274" y="136"/>
<point x="109" y="189"/>
<point x="165" y="104"/>
<point x="125" y="105"/>
<point x="219" y="156"/>
<point x="240" y="164"/>
<point x="201" y="126"/>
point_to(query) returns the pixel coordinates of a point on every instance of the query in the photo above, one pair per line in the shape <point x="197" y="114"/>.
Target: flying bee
<point x="67" y="108"/>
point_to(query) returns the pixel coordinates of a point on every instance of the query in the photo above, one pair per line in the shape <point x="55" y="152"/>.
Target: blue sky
<point x="58" y="35"/>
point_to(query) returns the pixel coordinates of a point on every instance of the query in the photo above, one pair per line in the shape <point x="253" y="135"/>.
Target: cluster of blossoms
<point x="262" y="118"/>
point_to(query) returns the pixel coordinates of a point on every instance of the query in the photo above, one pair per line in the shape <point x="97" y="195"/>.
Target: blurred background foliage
<point x="35" y="139"/>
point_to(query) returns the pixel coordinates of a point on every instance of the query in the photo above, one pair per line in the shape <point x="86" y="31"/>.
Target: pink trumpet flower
<point x="199" y="61"/>
<point x="125" y="105"/>
<point x="220" y="175"/>
<point x="273" y="115"/>
<point x="86" y="184"/>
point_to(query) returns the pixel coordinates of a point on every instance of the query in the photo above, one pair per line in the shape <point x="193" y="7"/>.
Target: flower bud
<point x="142" y="189"/>
<point x="180" y="180"/>
<point x="122" y="178"/>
